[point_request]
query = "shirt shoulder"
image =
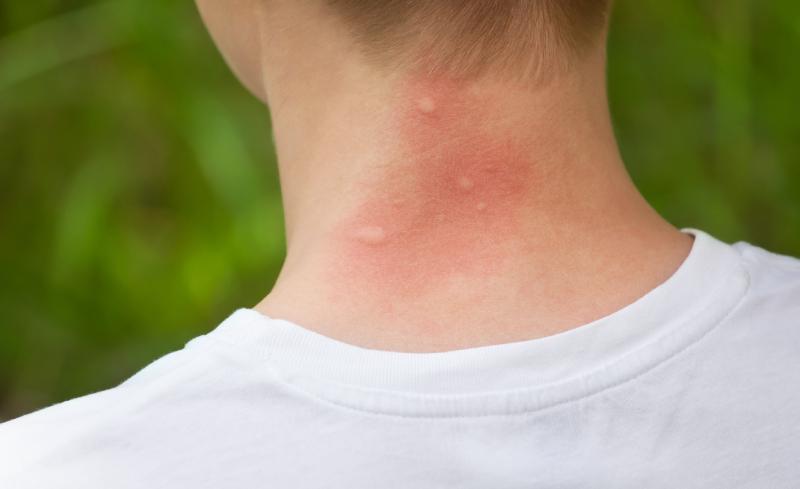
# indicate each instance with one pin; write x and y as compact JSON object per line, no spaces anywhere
{"x":75,"y":435}
{"x":767,"y":320}
{"x":774,"y":280}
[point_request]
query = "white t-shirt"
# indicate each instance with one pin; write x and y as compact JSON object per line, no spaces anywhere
{"x":695,"y":385}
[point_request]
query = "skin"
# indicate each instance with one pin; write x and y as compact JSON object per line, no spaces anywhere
{"x":456,"y":181}
{"x":430,"y":213}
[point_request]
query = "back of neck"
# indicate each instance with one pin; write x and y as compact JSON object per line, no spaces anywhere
{"x":427,"y":213}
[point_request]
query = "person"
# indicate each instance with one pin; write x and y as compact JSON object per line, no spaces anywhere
{"x":475,"y":294}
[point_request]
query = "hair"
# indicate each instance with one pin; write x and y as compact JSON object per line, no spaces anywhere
{"x":467,"y":37}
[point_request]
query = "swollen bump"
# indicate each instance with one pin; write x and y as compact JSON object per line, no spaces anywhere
{"x":465,"y":184}
{"x":426,"y":105}
{"x":370,"y":235}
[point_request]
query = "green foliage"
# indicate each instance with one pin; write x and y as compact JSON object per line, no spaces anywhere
{"x":139,"y":201}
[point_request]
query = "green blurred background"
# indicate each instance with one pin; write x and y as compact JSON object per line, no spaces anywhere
{"x":139,"y":202}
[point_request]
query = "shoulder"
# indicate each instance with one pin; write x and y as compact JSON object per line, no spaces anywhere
{"x":767,"y":319}
{"x":52,"y":446}
{"x":774,"y":279}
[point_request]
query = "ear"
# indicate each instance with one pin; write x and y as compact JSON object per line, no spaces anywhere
{"x":234,"y":26}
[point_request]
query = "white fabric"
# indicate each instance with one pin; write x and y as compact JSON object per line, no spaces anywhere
{"x":695,"y":385}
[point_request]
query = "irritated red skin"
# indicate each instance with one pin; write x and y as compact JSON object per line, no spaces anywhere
{"x":449,"y":207}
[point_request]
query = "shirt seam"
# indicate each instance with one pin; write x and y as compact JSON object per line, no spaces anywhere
{"x":275,"y":373}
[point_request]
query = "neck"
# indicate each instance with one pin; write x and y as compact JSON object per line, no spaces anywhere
{"x":426,"y":213}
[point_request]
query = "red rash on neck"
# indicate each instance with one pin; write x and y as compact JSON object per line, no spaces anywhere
{"x":448,"y":205}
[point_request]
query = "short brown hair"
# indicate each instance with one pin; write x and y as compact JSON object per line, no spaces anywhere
{"x":465,"y":37}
